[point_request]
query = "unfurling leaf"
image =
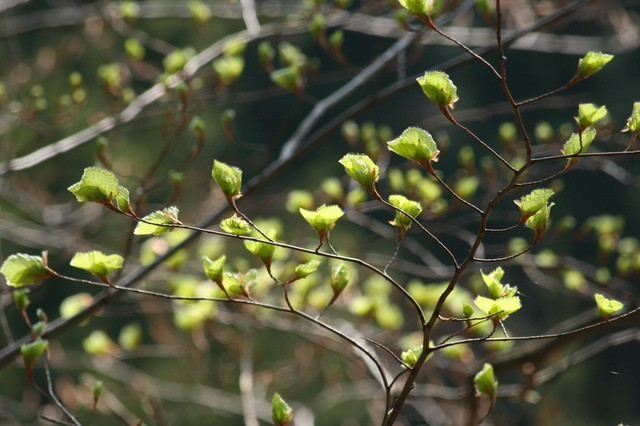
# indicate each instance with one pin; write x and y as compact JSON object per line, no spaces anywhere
{"x":402,"y":221}
{"x":200,"y":12}
{"x":281,"y":412}
{"x":467,"y":310}
{"x":410,"y":356}
{"x":607,"y":307}
{"x":485,"y":381}
{"x":439,"y":89}
{"x":97,"y":263}
{"x":263,"y":251}
{"x":589,"y":114}
{"x":130,"y":336}
{"x":590,"y":64}
{"x":23,"y":269}
{"x":31,"y":352}
{"x":418,"y":8}
{"x":362,"y":169}
{"x":228,"y":178}
{"x":531,"y":203}
{"x":235,"y":225}
{"x":416,"y":145}
{"x":496,"y":288}
{"x":100,"y":186}
{"x":213,"y":268}
{"x":539,"y":221}
{"x":323,"y":220}
{"x":501,"y":308}
{"x":154,"y":223}
{"x":306,"y":269}
{"x":633,"y":122}
{"x":228,"y":68}
{"x":340,"y":276}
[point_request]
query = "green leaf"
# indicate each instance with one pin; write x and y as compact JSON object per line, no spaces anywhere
{"x":298,"y":199}
{"x":607,"y":307}
{"x":75,"y":304}
{"x":492,"y":280}
{"x":362,"y":169}
{"x":235,"y":225}
{"x":531,"y":203}
{"x":281,"y":412}
{"x":130,"y":336}
{"x":633,"y":122}
{"x":467,"y":310}
{"x":34,"y":350}
{"x":97,"y":263}
{"x":416,"y":145}
{"x":413,"y":208}
{"x":263,"y":251}
{"x":200,"y":12}
{"x":410,"y":356}
{"x":289,"y":78}
{"x":323,"y":220}
{"x":501,"y":308}
{"x":100,"y":186}
{"x":168,"y":216}
{"x":23,"y":269}
{"x":228,"y":178}
{"x":134,"y":49}
{"x":98,"y":343}
{"x":266,"y":53}
{"x":306,"y":269}
{"x":340,"y":276}
{"x":419,"y":8}
{"x":539,"y":221}
{"x":589,"y":114}
{"x":590,"y":64}
{"x":439,"y":88}
{"x":485,"y":381}
{"x":228,"y":68}
{"x":213,"y":268}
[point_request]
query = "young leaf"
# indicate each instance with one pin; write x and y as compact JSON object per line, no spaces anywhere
{"x":340,"y":276}
{"x":531,"y":203}
{"x":402,"y":221}
{"x":306,"y":269}
{"x":323,"y":220}
{"x":100,"y":186}
{"x":235,"y":225}
{"x":168,"y":216}
{"x":467,"y":310}
{"x":501,"y":308}
{"x":633,"y":122}
{"x":213,"y":268}
{"x":590,"y":64}
{"x":23,"y":269}
{"x":492,"y":280}
{"x":281,"y":412}
{"x":439,"y":89}
{"x":607,"y":307}
{"x":228,"y":178}
{"x":418,"y":8}
{"x":97,"y":263}
{"x":98,"y":343}
{"x":589,"y":114}
{"x":289,"y":78}
{"x":228,"y":68}
{"x":130,"y":336}
{"x":362,"y":169}
{"x":539,"y":221}
{"x":485,"y":381}
{"x":410,"y":356}
{"x":31,"y":352}
{"x":416,"y":145}
{"x":263,"y":251}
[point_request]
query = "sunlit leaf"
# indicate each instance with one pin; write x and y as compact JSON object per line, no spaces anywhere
{"x":97,"y":263}
{"x":23,"y":269}
{"x":416,"y":145}
{"x":228,"y":178}
{"x":439,"y":88}
{"x":607,"y":307}
{"x":153,"y":223}
{"x":281,"y":412}
{"x":485,"y":381}
{"x":531,"y":203}
{"x":362,"y":169}
{"x":591,"y":63}
{"x":235,"y":225}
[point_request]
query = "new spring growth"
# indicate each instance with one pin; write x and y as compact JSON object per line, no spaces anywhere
{"x":539,"y":221}
{"x":235,"y":225}
{"x":531,"y":203}
{"x":439,"y":89}
{"x":156,"y":222}
{"x":607,"y":307}
{"x":416,"y":145}
{"x":22,"y":269}
{"x":340,"y":276}
{"x":30,"y":354}
{"x":577,"y":144}
{"x":419,"y":8}
{"x":323,"y":220}
{"x":590,"y":64}
{"x":98,"y":263}
{"x":281,"y":412}
{"x":101,"y":186}
{"x":633,"y":122}
{"x":589,"y":115}
{"x":363,"y":170}
{"x":262,"y":251}
{"x":402,"y":221}
{"x":213,"y":269}
{"x":229,"y":179}
{"x":485,"y":381}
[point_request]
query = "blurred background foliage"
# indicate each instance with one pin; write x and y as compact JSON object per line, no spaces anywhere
{"x":67,"y":65}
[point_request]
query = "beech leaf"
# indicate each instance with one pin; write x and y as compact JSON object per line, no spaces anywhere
{"x":23,"y":269}
{"x":168,"y":216}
